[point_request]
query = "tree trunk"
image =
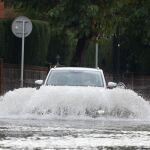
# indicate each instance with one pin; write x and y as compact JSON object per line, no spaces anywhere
{"x":76,"y":60}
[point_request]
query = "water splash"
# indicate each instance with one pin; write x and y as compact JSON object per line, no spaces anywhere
{"x":13,"y":102}
{"x":75,"y":101}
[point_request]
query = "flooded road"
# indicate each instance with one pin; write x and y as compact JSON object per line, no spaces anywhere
{"x":89,"y":134}
{"x":74,"y":118}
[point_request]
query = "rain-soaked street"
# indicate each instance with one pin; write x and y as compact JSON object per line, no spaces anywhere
{"x":74,"y":118}
{"x":74,"y":134}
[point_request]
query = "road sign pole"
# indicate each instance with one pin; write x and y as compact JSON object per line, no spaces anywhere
{"x":22,"y":56}
{"x":96,"y":56}
{"x":21,"y":28}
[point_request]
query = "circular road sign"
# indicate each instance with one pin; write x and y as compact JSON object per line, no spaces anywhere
{"x":19,"y":23}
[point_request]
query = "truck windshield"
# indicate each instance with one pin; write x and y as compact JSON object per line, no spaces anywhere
{"x":75,"y":78}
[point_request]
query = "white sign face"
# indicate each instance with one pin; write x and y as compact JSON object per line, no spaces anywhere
{"x":17,"y":26}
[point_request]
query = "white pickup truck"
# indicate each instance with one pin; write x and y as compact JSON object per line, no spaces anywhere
{"x":65,"y":89}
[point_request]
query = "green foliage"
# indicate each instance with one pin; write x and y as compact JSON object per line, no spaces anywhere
{"x":71,"y":21}
{"x":104,"y":55}
{"x":88,"y":56}
{"x":10,"y":44}
{"x":134,"y":37}
{"x":84,"y":17}
{"x":36,"y":9}
{"x":37,"y":44}
{"x":61,"y":44}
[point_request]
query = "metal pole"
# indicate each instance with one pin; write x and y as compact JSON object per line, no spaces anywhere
{"x":22,"y":56}
{"x":96,"y":54}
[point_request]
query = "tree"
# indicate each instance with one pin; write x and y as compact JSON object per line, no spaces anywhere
{"x":134,"y":36}
{"x":85,"y":19}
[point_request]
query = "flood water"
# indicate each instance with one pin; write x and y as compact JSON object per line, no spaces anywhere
{"x":68,"y":118}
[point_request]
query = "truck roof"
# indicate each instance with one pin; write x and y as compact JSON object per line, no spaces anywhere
{"x":77,"y":68}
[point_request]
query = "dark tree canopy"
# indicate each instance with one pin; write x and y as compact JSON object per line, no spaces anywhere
{"x":83,"y":20}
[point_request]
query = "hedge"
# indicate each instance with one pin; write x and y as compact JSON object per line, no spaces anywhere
{"x":36,"y":44}
{"x":45,"y":43}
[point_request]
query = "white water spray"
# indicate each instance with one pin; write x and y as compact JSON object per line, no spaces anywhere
{"x":75,"y":101}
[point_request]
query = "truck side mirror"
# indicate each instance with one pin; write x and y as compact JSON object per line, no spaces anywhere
{"x":39,"y":82}
{"x":111,"y":85}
